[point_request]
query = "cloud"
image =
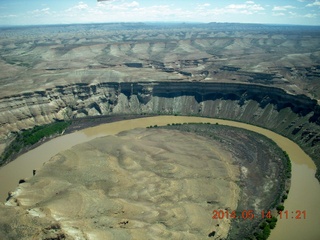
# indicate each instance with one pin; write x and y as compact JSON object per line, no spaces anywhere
{"x":8,"y":16}
{"x":293,"y":14}
{"x":132,"y":4}
{"x":248,"y":8}
{"x":282,"y":8}
{"x":81,"y":6}
{"x":314,"y":4}
{"x":277,"y":14}
{"x":251,"y":6}
{"x":112,"y":5}
{"x":204,"y":5}
{"x":41,"y":11}
{"x":310,"y":15}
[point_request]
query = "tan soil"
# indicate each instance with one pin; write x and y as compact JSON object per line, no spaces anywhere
{"x":143,"y":184}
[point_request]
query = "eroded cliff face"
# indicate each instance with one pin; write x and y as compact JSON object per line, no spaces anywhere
{"x":294,"y":116}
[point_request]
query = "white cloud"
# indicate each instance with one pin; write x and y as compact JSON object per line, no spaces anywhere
{"x":293,"y":14}
{"x":113,"y":5}
{"x":41,"y":11}
{"x":202,"y":7}
{"x":132,"y":11}
{"x":205,"y":5}
{"x":277,"y":14}
{"x":310,"y":15}
{"x":316,"y":3}
{"x":251,"y":6}
{"x":282,"y":8}
{"x":133,"y":4}
{"x":9,"y":16}
{"x":81,"y":6}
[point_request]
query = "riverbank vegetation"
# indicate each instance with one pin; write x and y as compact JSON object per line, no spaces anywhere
{"x":32,"y":136}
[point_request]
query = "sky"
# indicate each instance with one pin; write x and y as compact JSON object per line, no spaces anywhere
{"x":37,"y":12}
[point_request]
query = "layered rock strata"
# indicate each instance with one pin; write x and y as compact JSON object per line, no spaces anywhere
{"x":294,"y":116}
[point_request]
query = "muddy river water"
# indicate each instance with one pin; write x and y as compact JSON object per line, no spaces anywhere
{"x":304,"y":194}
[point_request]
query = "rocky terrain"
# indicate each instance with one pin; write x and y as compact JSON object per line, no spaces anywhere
{"x":295,"y":116}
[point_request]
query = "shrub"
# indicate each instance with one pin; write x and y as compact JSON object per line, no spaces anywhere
{"x":273,"y":219}
{"x":284,"y":197}
{"x":263,"y":225}
{"x":272,"y":225}
{"x":266,"y":232}
{"x":280,"y":208}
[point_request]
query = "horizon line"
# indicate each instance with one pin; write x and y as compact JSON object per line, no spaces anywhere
{"x":157,"y":22}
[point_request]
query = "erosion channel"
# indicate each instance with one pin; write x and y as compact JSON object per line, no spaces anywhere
{"x":303,"y":170}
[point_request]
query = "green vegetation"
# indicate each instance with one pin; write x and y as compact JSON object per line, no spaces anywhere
{"x":266,"y":232}
{"x":284,"y":197}
{"x":270,"y":223}
{"x":280,"y":208}
{"x":32,"y":136}
{"x":266,"y":226}
{"x":288,"y":164}
{"x":272,"y":220}
{"x":155,"y":126}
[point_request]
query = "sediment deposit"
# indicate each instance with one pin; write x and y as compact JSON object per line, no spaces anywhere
{"x":157,"y":186}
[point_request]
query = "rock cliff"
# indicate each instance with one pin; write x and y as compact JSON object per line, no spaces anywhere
{"x":294,"y":116}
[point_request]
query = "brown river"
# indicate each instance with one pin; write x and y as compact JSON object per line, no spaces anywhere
{"x":304,"y":194}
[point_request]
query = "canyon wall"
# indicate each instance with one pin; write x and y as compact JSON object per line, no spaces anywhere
{"x":294,"y":116}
